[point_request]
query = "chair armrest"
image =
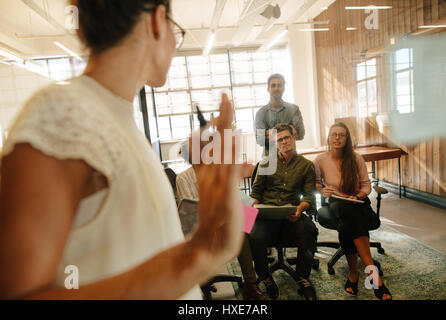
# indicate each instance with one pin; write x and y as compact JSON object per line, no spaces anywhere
{"x":312,"y":212}
{"x":380,"y":190}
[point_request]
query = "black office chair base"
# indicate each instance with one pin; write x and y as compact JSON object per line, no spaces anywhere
{"x":339,"y":253}
{"x":293,"y":261}
{"x":283,"y":263}
{"x":206,"y":288}
{"x":378,"y":246}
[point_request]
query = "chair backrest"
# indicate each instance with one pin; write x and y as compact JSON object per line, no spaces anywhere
{"x":188,"y":212}
{"x":172,"y":177}
{"x":254,"y":173}
{"x":327,"y":220}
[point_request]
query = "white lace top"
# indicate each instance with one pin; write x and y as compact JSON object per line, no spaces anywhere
{"x":120,"y":227}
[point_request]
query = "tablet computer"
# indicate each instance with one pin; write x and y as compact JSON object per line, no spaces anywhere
{"x":267,"y":211}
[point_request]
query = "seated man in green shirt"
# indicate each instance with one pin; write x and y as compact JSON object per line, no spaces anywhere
{"x":294,"y":177}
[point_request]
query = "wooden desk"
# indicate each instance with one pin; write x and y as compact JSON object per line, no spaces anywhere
{"x":370,"y":154}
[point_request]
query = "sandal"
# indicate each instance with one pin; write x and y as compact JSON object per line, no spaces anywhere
{"x":381,"y":291}
{"x":353,"y":286}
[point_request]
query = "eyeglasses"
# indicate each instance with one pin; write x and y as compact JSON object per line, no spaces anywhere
{"x":284,"y":139}
{"x":334,"y":135}
{"x":178,"y":31}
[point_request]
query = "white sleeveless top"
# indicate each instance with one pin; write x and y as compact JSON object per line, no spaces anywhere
{"x":118,"y":228}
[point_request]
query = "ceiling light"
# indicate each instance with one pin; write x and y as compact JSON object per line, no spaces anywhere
{"x":350,"y":29}
{"x":368,"y":8}
{"x":319,"y":29}
{"x":10,"y":56}
{"x":436,"y":26}
{"x":313,"y":22}
{"x":210,"y":44}
{"x":67,"y":50}
{"x":275,"y":40}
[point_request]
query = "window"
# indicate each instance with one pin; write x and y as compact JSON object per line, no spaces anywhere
{"x":58,"y":69}
{"x":366,"y":88}
{"x":64,"y":68}
{"x":200,"y":80}
{"x":403,"y":97}
{"x":137,"y":114}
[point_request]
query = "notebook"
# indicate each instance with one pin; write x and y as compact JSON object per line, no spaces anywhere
{"x":347,"y":199}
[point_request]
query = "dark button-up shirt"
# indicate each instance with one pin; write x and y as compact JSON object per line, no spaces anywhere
{"x":287,"y":184}
{"x":267,"y":118}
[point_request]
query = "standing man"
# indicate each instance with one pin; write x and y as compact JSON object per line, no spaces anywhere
{"x":292,"y":183}
{"x":277,"y":111}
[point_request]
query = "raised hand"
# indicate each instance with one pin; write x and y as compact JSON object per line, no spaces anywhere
{"x":220,"y":227}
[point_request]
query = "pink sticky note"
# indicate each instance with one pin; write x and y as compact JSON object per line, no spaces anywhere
{"x":250,"y":214}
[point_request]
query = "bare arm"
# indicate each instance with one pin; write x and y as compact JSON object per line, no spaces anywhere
{"x":37,"y":203}
{"x":298,"y":124}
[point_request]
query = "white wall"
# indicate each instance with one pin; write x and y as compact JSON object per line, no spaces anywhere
{"x":303,"y":60}
{"x":16,"y":85}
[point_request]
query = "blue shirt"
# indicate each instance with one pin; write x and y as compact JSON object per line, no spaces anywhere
{"x":267,"y":118}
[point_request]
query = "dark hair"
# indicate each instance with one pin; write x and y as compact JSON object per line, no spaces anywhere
{"x":349,"y":164}
{"x":105,"y":23}
{"x":276,"y":76}
{"x":283,"y":127}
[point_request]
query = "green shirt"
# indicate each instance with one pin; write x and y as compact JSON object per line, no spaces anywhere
{"x":287,"y":184}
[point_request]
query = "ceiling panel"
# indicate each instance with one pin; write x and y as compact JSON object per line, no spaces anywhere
{"x":30,"y":35}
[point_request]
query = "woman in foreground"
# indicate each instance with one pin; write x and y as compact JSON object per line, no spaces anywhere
{"x":82,"y":187}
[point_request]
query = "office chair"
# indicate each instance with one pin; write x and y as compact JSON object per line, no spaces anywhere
{"x":172,"y":176}
{"x":327,"y":220}
{"x":188,"y":212}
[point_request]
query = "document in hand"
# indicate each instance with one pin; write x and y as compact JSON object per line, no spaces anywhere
{"x":250,"y":215}
{"x":347,"y":199}
{"x":271,"y":212}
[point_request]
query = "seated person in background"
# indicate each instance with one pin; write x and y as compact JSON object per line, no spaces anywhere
{"x":187,"y":185}
{"x":187,"y":189}
{"x":294,"y":177}
{"x":343,"y":172}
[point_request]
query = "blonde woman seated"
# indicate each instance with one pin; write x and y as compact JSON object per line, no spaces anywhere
{"x":341,"y":171}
